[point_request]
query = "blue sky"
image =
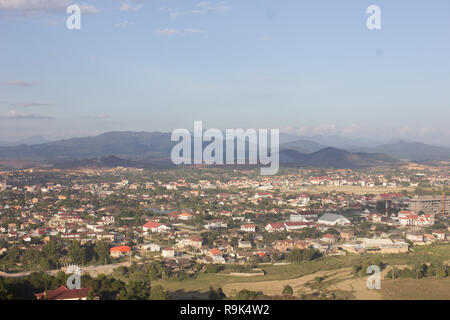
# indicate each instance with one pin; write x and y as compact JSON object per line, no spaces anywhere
{"x":306,"y":67}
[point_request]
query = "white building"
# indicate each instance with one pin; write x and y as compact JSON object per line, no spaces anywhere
{"x":152,"y":247}
{"x":168,"y":253}
{"x":331,"y":219}
{"x":303,"y":216}
{"x":155,"y":227}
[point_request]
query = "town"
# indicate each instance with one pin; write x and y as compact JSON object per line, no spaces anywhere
{"x":127,"y":227}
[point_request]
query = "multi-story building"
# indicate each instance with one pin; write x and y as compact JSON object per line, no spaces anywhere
{"x":429,"y":204}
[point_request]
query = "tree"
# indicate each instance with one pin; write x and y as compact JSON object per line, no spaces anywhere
{"x":247,"y":295}
{"x":91,"y":295}
{"x":216,"y":294}
{"x":50,"y":255}
{"x":136,"y":290}
{"x":11,"y":256}
{"x":4,"y":292}
{"x":102,"y":251}
{"x":442,"y":272}
{"x":299,"y":255}
{"x":76,"y":252}
{"x":213,"y":268}
{"x":356,"y":269}
{"x":420,"y":271}
{"x":31,"y":257}
{"x":61,"y":278}
{"x":209,"y":237}
{"x":287,"y":291}
{"x":158,"y":293}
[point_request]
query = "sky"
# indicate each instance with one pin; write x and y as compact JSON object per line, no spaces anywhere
{"x":305,"y":67}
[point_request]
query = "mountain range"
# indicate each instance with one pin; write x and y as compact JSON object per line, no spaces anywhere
{"x":29,"y":141}
{"x":415,"y":151}
{"x":412,"y":151}
{"x":152,"y":149}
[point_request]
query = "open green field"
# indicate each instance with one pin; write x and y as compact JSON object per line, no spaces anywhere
{"x":359,"y":190}
{"x":198,"y":288}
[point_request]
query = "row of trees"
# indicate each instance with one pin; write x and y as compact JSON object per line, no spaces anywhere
{"x":420,"y":271}
{"x":301,"y":255}
{"x":108,"y":288}
{"x":54,"y":254}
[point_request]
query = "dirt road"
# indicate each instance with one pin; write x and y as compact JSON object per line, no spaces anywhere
{"x":339,"y":279}
{"x":275,"y":287}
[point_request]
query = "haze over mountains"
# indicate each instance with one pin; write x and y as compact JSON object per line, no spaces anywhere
{"x":147,"y":149}
{"x":29,"y":141}
{"x":415,"y":151}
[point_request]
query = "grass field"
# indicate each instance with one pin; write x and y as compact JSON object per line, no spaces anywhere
{"x":337,"y":268}
{"x":359,"y":190}
{"x":411,"y":289}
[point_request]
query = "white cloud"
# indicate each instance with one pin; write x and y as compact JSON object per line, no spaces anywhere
{"x":95,"y":117}
{"x":88,"y":9}
{"x":18,"y":83}
{"x":43,"y":6}
{"x":427,"y":131}
{"x":321,"y":129}
{"x":350,"y":129}
{"x":16,"y":115}
{"x":26,"y":104}
{"x":203,"y":7}
{"x":127,"y":5}
{"x":174,"y":32}
{"x":324,"y":129}
{"x":124,"y":24}
{"x":183,"y":13}
{"x":204,"y":4}
{"x":405,"y":132}
{"x":416,"y":133}
{"x":34,"y":5}
{"x":191,"y":31}
{"x":222,"y":6}
{"x":166,"y":32}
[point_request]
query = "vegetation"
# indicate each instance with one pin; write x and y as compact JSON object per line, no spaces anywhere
{"x":420,"y":271}
{"x":301,"y":255}
{"x":287,"y":291}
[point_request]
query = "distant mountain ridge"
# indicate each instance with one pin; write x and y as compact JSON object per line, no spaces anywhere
{"x":145,"y":149}
{"x":414,"y":151}
{"x":335,"y":158}
{"x":125,"y":143}
{"x":302,"y":146}
{"x":27,"y":141}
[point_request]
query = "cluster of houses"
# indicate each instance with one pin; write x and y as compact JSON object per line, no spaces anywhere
{"x":243,"y":231}
{"x":250,"y":238}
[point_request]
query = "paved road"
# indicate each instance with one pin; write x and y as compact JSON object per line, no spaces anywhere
{"x":92,"y":271}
